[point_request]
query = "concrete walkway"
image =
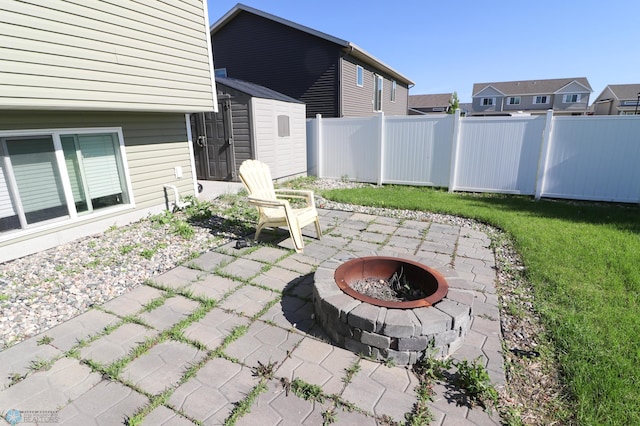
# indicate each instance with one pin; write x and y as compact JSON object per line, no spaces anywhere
{"x":235,"y":328}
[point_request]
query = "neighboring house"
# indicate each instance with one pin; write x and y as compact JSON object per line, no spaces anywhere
{"x":618,"y":99}
{"x":565,"y":96}
{"x":94,"y":100}
{"x":252,"y":123}
{"x":430,"y":104}
{"x":333,"y":77}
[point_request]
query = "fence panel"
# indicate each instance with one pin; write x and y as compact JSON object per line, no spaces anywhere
{"x":594,"y":158}
{"x":350,"y":148}
{"x":417,"y":150}
{"x":499,"y":154}
{"x":587,"y":158}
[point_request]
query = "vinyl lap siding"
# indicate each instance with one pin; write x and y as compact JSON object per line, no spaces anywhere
{"x":281,"y":58}
{"x":154,"y":145}
{"x":104,"y":55}
{"x":358,"y":101}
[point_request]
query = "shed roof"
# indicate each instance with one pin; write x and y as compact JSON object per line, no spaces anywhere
{"x":349,"y":47}
{"x":532,"y":87}
{"x":255,"y":90}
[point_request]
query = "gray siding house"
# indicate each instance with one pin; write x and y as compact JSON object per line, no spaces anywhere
{"x":94,"y":102}
{"x":333,"y":77}
{"x":618,"y":99}
{"x":565,"y":96}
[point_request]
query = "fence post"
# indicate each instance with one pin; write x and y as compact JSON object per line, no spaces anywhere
{"x":543,"y":157}
{"x":381,"y":140}
{"x":319,"y":147}
{"x":455,"y":140}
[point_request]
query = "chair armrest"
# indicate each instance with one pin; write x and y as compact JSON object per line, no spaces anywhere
{"x":262,"y":202}
{"x":296,"y":193}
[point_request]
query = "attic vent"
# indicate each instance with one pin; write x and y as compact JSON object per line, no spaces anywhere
{"x":283,"y":126}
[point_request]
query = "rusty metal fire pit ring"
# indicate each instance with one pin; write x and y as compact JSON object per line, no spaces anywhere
{"x":430,"y":281}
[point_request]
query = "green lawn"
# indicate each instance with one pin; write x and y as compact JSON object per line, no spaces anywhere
{"x":583,"y":260}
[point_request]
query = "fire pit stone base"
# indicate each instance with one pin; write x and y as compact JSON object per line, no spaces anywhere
{"x":401,"y":335}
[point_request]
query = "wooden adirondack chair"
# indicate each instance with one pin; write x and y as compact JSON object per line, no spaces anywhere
{"x":273,"y":204}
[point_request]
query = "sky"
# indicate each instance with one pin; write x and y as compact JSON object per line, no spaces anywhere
{"x":445,"y":46}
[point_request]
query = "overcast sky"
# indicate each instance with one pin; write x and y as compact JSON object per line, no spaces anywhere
{"x":446,"y":46}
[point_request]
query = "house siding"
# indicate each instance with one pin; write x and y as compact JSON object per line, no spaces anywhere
{"x":580,"y":106}
{"x":103,"y":56}
{"x":154,"y":144}
{"x":357,"y":101}
{"x":281,"y":58}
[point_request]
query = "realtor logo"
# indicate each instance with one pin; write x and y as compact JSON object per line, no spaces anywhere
{"x":13,"y":417}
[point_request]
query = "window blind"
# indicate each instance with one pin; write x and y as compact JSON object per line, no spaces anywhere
{"x":100,"y":165}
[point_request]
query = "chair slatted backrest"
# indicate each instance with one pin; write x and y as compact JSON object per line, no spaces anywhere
{"x":256,"y":176}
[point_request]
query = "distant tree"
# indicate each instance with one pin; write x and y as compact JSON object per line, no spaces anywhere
{"x":454,"y":103}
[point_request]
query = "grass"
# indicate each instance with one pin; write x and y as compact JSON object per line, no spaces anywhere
{"x":582,"y":261}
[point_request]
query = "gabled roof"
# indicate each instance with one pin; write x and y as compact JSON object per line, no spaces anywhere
{"x":532,"y":87}
{"x":349,"y":47}
{"x":255,"y":90}
{"x":624,"y":91}
{"x":428,"y":101}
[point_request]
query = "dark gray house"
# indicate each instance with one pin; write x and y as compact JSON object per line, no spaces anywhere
{"x":333,"y":77}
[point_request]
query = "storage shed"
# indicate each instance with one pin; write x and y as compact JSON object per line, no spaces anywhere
{"x":252,"y":122}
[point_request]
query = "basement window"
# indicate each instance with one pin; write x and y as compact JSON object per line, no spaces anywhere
{"x":57,"y":176}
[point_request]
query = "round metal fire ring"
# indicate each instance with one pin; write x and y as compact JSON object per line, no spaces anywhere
{"x":428,"y":280}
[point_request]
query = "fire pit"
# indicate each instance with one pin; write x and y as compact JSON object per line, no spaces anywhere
{"x":398,"y":328}
{"x":422,"y":285}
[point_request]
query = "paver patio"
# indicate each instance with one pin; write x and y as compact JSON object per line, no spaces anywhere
{"x":237,"y":322}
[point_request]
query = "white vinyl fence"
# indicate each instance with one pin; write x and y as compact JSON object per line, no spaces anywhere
{"x":582,"y":157}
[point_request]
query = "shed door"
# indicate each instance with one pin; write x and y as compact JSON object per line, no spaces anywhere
{"x":213,"y":143}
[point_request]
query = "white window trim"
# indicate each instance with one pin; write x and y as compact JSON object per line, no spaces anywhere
{"x":74,"y":217}
{"x":566,"y":101}
{"x":394,"y":87}
{"x":492,"y":101}
{"x":359,"y":70}
{"x":535,"y":99}
{"x":513,"y":98}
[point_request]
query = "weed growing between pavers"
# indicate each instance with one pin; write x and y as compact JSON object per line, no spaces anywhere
{"x":471,"y":378}
{"x":474,"y":378}
{"x":244,"y":406}
{"x":351,"y":371}
{"x":44,"y":340}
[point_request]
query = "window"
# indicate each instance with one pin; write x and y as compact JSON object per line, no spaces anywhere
{"x":377,"y":93}
{"x":514,"y":100}
{"x":57,"y":175}
{"x":570,"y":99}
{"x":393,"y":91}
{"x":541,"y":99}
{"x":359,"y":76}
{"x":283,"y":126}
{"x":487,"y":101}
